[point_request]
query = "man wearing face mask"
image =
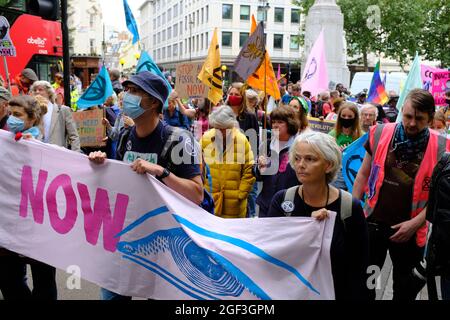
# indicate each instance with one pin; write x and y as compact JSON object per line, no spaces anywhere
{"x":147,"y":146}
{"x":396,"y":175}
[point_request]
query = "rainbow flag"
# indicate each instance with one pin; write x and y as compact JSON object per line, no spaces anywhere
{"x":377,"y":92}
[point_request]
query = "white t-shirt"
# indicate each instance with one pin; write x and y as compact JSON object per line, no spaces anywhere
{"x":48,"y":121}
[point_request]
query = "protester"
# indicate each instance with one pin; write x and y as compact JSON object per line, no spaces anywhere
{"x":5,"y":96}
{"x":276,"y":175}
{"x":143,"y":102}
{"x":229,"y":156}
{"x":316,"y":158}
{"x":177,"y":114}
{"x":400,"y":159}
{"x":347,"y":128}
{"x":333,"y":115}
{"x":299,"y":104}
{"x":112,"y":112}
{"x":25,"y":118}
{"x":439,"y":124}
{"x":114,"y":75}
{"x":202,"y":124}
{"x":58,"y":125}
{"x":369,"y":114}
{"x":23,"y":82}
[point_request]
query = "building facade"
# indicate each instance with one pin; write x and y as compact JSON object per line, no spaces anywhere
{"x":176,"y":31}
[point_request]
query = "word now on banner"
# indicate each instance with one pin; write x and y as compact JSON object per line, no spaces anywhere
{"x":131,"y":234}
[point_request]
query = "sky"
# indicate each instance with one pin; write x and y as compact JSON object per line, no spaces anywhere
{"x":113,"y":14}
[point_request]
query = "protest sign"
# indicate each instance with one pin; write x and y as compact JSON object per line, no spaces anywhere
{"x":187,"y":85}
{"x":7,"y":48}
{"x":90,"y":127}
{"x":427,"y":76}
{"x":324,"y":126}
{"x":132,"y":235}
{"x":441,"y":84}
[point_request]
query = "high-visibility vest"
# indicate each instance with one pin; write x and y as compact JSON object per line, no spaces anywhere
{"x":380,"y":140}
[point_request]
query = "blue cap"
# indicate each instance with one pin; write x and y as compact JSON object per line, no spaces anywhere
{"x":151,"y":83}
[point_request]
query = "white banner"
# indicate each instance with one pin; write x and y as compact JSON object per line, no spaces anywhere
{"x":132,"y":235}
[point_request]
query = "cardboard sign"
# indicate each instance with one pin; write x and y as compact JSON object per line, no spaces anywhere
{"x":90,"y":127}
{"x":324,"y":126}
{"x":7,"y":48}
{"x":441,"y":84}
{"x":187,"y":84}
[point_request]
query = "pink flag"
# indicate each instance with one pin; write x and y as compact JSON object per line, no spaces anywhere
{"x":315,"y":75}
{"x":279,"y":72}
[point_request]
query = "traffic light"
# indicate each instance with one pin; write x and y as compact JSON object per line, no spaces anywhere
{"x":47,"y":9}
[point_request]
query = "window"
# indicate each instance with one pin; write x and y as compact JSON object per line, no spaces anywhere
{"x":163,"y":55}
{"x":197,"y":43}
{"x":295,"y":16}
{"x":227,"y":11}
{"x":198,"y":17}
{"x":226,"y":39}
{"x":261,"y":15}
{"x":154,"y":23}
{"x":163,"y":36}
{"x":154,"y":39}
{"x":181,"y":48}
{"x":294,"y":42}
{"x":245,"y":13}
{"x":185,"y":23}
{"x":159,"y":21}
{"x":175,"y":50}
{"x":181,"y":8}
{"x":159,"y":37}
{"x":154,"y":54}
{"x":175,"y":30}
{"x":243,"y":36}
{"x":206,"y":40}
{"x":278,"y":41}
{"x":175,"y":10}
{"x":203,"y":15}
{"x":159,"y":54}
{"x":163,"y":18}
{"x":279,"y":15}
{"x":169,"y":14}
{"x":169,"y":32}
{"x":92,"y":21}
{"x":181,"y":27}
{"x":201,"y":42}
{"x":169,"y":51}
{"x":92,"y":46}
{"x":207,"y":14}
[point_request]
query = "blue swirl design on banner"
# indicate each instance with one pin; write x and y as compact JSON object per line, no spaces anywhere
{"x":209,"y":275}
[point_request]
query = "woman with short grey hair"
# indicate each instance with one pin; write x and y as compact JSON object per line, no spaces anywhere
{"x":316,"y":158}
{"x":229,"y":157}
{"x":45,"y":89}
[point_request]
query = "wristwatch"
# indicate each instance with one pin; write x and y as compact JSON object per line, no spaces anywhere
{"x":165,"y":174}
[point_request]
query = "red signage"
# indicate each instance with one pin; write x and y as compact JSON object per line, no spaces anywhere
{"x":32,"y":35}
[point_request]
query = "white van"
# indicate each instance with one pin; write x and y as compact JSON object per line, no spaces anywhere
{"x":362,"y":80}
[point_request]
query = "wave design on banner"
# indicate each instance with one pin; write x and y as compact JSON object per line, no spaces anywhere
{"x":208,"y":275}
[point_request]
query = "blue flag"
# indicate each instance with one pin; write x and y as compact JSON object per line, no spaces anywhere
{"x":146,"y":63}
{"x":352,"y":159}
{"x":97,"y":93}
{"x":131,"y":23}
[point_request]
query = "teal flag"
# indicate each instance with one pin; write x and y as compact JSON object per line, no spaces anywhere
{"x":131,"y":22}
{"x":97,"y":93}
{"x":352,"y":159}
{"x":413,"y":81}
{"x":146,"y":63}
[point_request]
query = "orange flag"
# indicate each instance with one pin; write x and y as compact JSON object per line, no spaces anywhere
{"x":257,"y":79}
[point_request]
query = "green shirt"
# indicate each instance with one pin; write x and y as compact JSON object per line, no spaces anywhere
{"x":342,"y":139}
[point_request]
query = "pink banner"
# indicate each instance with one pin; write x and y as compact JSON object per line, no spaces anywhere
{"x":315,"y":75}
{"x":426,"y":73}
{"x":441,"y":84}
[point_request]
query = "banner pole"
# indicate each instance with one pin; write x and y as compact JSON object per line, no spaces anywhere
{"x":7,"y":73}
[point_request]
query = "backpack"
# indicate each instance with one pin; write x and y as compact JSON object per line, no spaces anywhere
{"x":288,"y":203}
{"x":172,"y":135}
{"x":438,"y":213}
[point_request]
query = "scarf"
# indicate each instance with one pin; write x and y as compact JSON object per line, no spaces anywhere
{"x":409,"y":148}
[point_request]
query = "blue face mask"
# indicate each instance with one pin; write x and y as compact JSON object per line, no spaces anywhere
{"x":15,"y":124}
{"x":132,"y":105}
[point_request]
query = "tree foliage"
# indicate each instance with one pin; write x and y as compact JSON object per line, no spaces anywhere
{"x":405,"y":27}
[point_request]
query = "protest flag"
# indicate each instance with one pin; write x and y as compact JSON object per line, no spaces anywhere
{"x":377,"y":93}
{"x":211,"y":73}
{"x":352,"y":159}
{"x":264,"y":78}
{"x":315,"y":75}
{"x":413,"y":81}
{"x":97,"y":93}
{"x":131,"y":22}
{"x":252,"y":54}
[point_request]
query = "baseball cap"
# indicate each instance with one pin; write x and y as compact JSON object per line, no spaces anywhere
{"x":29,"y":74}
{"x":151,"y":83}
{"x":5,"y":94}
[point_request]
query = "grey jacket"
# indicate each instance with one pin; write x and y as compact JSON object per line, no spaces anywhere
{"x":63,"y":130}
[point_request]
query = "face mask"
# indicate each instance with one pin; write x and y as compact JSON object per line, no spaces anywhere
{"x":15,"y":124}
{"x":347,"y":123}
{"x":447,"y":101}
{"x":234,"y":101}
{"x":132,"y":105}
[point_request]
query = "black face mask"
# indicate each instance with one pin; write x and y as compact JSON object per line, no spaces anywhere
{"x":447,"y":101}
{"x":347,"y":123}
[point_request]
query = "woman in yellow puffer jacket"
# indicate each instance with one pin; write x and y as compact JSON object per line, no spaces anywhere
{"x":228,"y":154}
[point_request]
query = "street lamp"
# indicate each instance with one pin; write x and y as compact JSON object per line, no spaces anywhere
{"x":264,"y":6}
{"x":191,"y":44}
{"x":224,"y":69}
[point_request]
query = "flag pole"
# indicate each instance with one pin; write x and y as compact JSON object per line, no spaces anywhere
{"x":265,"y":81}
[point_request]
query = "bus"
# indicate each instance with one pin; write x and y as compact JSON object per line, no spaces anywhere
{"x":39,"y":46}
